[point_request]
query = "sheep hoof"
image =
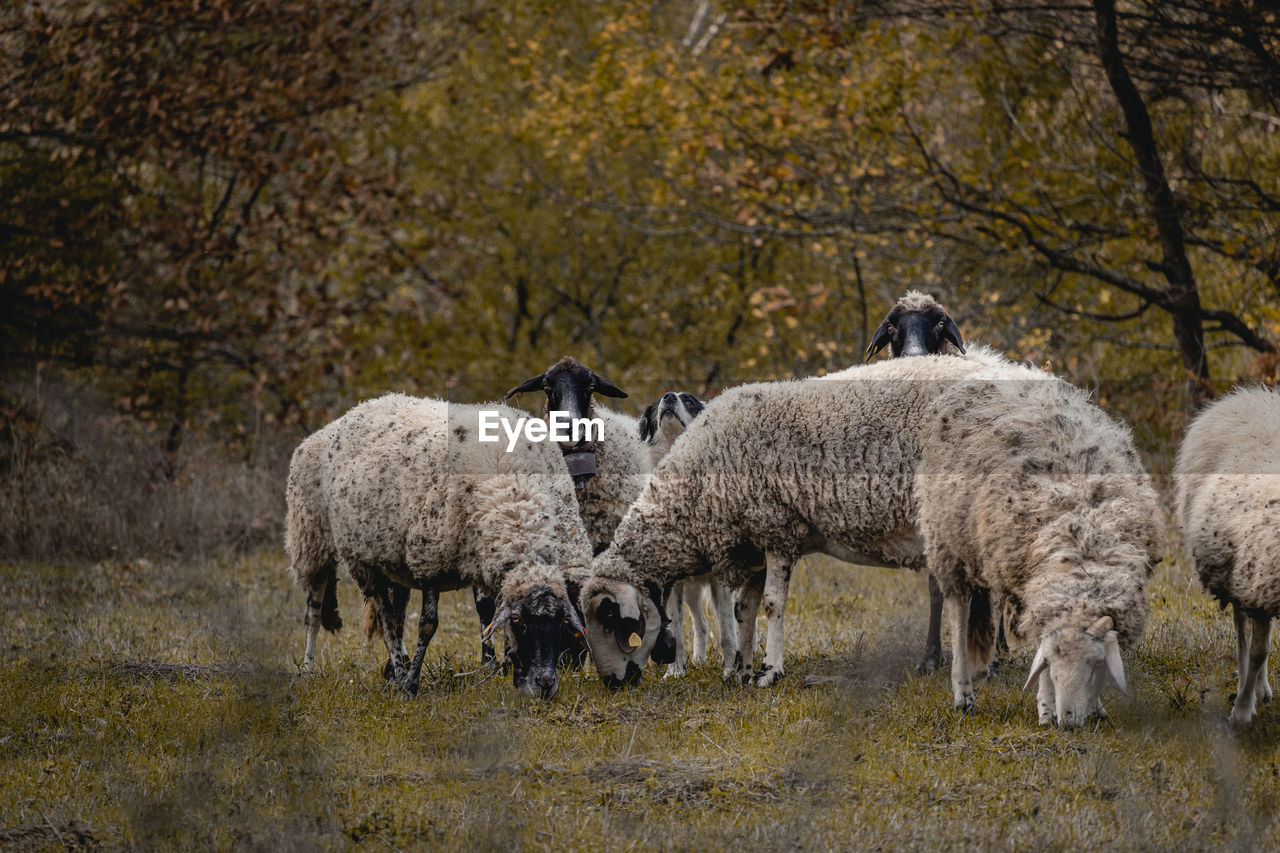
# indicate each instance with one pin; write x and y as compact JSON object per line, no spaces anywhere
{"x":928,"y":664}
{"x":1046,"y":719}
{"x":675,"y":670}
{"x":767,"y":676}
{"x":964,"y":702}
{"x":1263,"y":693}
{"x":1241,"y":720}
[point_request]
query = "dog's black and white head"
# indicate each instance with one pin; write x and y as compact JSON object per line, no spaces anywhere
{"x":916,"y":325}
{"x":568,"y":385}
{"x":538,"y":622}
{"x":665,"y":419}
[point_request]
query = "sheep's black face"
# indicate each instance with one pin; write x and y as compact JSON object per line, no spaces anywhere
{"x":668,"y":416}
{"x":916,"y":332}
{"x":569,"y":385}
{"x":538,"y":630}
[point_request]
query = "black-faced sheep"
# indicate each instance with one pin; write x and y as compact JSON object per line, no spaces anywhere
{"x":401,"y":492}
{"x":1030,"y":492}
{"x":662,"y":423}
{"x":918,"y":325}
{"x":609,"y":470}
{"x":1227,"y":481}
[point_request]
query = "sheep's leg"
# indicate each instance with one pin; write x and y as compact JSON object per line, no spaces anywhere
{"x":1046,"y":701}
{"x":1242,"y":712}
{"x":390,"y":600}
{"x":675,"y":611}
{"x":777,"y":579}
{"x":314,"y":618}
{"x":957,"y":612}
{"x":427,"y":624}
{"x":726,"y":625}
{"x":745,"y":610}
{"x":485,"y":608}
{"x":1262,"y":692}
{"x":699,"y":622}
{"x":933,"y":641}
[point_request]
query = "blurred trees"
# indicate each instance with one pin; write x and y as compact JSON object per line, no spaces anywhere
{"x":182,"y":178}
{"x":245,"y":216}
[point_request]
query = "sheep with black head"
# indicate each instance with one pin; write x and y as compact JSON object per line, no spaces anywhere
{"x":401,"y":492}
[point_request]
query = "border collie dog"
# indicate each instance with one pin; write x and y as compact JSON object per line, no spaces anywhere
{"x":664,"y":419}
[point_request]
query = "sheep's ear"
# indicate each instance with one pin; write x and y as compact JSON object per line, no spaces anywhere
{"x":880,"y":339}
{"x":648,"y":422}
{"x":607,"y":388}
{"x":499,"y":618}
{"x":571,"y":618}
{"x":533,"y":383}
{"x":1040,"y":663}
{"x":951,"y":332}
{"x":1111,"y":642}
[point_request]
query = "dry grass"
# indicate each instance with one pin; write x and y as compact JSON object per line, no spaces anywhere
{"x":158,"y":705}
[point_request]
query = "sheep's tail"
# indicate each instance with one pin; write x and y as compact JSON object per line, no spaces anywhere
{"x":371,"y":624}
{"x":981,"y":630}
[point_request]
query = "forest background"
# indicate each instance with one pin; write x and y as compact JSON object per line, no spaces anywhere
{"x":226,"y":222}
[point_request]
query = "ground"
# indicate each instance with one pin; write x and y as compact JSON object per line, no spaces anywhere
{"x":145,"y":704}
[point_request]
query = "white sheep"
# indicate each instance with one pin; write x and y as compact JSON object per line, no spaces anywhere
{"x":1029,"y":492}
{"x":401,"y":493}
{"x":767,"y":473}
{"x":662,"y":422}
{"x":1227,"y":483}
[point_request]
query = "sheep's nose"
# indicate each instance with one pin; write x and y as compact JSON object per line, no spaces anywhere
{"x":669,"y":397}
{"x":547,"y":683}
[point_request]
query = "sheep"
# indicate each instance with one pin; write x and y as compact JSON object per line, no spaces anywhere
{"x":769,"y":472}
{"x":609,"y":471}
{"x":401,"y":492}
{"x":1030,"y":493}
{"x":661,"y":424}
{"x":918,"y":325}
{"x":620,"y":457}
{"x":1227,"y":494}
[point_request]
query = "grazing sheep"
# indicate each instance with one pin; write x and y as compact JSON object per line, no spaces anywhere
{"x":1227,"y":481}
{"x":767,"y":473}
{"x":400,"y":492}
{"x":1029,"y":492}
{"x":661,"y":424}
{"x":918,"y":325}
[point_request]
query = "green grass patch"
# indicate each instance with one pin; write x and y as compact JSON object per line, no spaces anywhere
{"x":154,"y":705}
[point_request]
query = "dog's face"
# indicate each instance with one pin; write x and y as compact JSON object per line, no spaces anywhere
{"x":667,"y":417}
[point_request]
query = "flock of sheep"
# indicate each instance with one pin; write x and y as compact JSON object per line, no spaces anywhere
{"x":1026,"y":503}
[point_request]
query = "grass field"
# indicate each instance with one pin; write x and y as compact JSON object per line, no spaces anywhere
{"x":159,"y":706}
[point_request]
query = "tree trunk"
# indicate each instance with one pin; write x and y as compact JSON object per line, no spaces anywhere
{"x":1182,"y":296}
